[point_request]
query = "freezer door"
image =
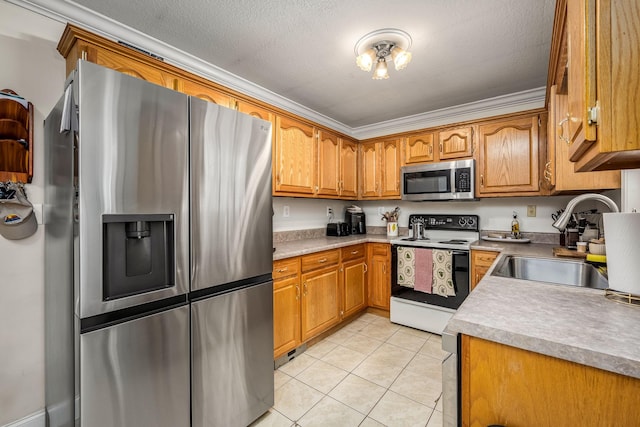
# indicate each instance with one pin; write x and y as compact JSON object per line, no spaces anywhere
{"x":133,"y":160}
{"x":137,"y":373}
{"x":231,"y":196}
{"x":232,"y":357}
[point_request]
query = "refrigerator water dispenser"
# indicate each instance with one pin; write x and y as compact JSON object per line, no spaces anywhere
{"x":138,"y":254}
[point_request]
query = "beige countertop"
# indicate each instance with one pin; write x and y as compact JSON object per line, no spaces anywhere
{"x":570,"y":323}
{"x":308,"y":246}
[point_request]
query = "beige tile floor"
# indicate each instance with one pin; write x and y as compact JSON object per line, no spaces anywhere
{"x":369,"y":373}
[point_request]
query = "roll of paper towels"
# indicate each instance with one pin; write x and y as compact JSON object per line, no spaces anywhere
{"x":622,"y":241}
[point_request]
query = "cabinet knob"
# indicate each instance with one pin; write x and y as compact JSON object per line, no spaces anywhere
{"x":561,"y":126}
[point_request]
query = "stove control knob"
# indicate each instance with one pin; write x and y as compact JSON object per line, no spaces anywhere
{"x":471,"y":221}
{"x":462,"y":221}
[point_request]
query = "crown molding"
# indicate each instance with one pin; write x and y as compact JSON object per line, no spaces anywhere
{"x":504,"y":104}
{"x":67,"y":11}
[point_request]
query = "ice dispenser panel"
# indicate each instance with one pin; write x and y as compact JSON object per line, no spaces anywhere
{"x":138,"y":254}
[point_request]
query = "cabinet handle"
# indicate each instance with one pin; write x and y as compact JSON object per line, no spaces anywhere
{"x":384,"y":268}
{"x":297,"y":292}
{"x":430,"y":149}
{"x":561,"y":125}
{"x":317,"y":188}
{"x":441,"y":148}
{"x":83,"y":54}
{"x":354,"y":252}
{"x":278,"y":179}
{"x":365,"y":267}
{"x":282,"y":270}
{"x":482,"y":180}
{"x":305,"y":289}
{"x":547,"y":171}
{"x":323,"y":260}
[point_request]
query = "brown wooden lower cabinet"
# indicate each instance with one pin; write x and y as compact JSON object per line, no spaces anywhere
{"x":313,"y":293}
{"x":481,"y":261}
{"x":320,"y":302}
{"x":507,"y":386}
{"x":379,"y":280}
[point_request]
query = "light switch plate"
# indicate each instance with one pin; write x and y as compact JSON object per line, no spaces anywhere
{"x":285,"y":211}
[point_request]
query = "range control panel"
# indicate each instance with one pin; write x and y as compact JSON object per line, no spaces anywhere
{"x":446,"y":222}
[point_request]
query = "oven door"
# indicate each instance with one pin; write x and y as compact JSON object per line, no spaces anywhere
{"x":461,"y":281}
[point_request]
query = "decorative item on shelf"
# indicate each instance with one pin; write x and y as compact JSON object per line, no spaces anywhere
{"x":17,"y":219}
{"x":515,"y":226}
{"x":16,"y":137}
{"x":392,"y":221}
{"x":380,"y":46}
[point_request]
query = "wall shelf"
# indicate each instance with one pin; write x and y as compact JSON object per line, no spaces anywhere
{"x":16,"y":139}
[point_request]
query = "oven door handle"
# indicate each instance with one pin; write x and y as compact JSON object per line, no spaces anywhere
{"x":459,"y":252}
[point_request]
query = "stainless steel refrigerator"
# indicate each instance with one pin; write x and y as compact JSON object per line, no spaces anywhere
{"x":157,"y":258}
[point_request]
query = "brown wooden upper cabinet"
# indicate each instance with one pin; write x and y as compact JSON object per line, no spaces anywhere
{"x":419,"y":148}
{"x":348,"y":169}
{"x":599,"y":44}
{"x":559,"y":172}
{"x":294,"y":165}
{"x":206,"y":93}
{"x":509,"y":157}
{"x":328,"y":164}
{"x":380,"y":169}
{"x":455,"y":143}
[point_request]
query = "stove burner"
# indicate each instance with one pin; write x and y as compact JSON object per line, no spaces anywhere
{"x":454,"y":242}
{"x":413,"y":239}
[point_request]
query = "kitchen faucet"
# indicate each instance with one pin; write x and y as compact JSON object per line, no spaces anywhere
{"x":561,"y":222}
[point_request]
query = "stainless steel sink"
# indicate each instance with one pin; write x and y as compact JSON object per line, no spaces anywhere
{"x":562,"y":272}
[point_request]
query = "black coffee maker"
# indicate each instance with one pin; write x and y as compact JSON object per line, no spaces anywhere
{"x":356,"y":222}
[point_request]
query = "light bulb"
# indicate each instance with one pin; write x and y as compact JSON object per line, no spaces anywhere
{"x":380,"y":73}
{"x":400,"y":58}
{"x":365,"y":60}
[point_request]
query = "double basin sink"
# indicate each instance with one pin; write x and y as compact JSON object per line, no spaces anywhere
{"x":562,"y":272}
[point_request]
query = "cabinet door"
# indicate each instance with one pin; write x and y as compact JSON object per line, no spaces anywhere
{"x":455,"y":143}
{"x":133,"y":68}
{"x":254,"y":110}
{"x":205,"y":92}
{"x":560,"y":170}
{"x":419,"y":148}
{"x":390,"y":169}
{"x":481,"y":261}
{"x":348,"y":169}
{"x":320,"y":301}
{"x":379,"y":275}
{"x":508,"y":157}
{"x":581,"y":74}
{"x":503,"y":385}
{"x":328,"y":164}
{"x":370,"y":153}
{"x":354,"y":289}
{"x":295,"y":158}
{"x":286,"y":315}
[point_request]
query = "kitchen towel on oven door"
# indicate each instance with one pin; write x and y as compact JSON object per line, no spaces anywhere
{"x":415,"y":269}
{"x":442,"y":273}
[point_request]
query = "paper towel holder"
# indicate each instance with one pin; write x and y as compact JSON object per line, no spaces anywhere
{"x":563,"y":220}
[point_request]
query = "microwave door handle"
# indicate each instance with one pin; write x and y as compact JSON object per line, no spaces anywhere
{"x":453,"y":180}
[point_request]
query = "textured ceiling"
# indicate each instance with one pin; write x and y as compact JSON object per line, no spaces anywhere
{"x":463,"y":50}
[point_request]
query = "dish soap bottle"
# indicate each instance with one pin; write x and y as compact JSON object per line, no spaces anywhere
{"x":515,"y":226}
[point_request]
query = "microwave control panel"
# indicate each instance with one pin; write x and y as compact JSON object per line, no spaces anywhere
{"x":463,"y":180}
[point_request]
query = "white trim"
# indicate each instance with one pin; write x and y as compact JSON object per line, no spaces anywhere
{"x":68,"y":11}
{"x":36,"y":419}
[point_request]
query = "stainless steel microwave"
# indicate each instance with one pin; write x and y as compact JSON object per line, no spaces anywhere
{"x":439,"y":181}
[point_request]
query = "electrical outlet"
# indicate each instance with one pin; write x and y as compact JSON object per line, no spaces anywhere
{"x":531,"y":210}
{"x":329,"y":211}
{"x":285,"y":211}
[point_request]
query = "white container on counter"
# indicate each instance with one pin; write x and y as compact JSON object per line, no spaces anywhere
{"x":622,"y":241}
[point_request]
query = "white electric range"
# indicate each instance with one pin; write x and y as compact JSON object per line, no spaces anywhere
{"x":426,"y":311}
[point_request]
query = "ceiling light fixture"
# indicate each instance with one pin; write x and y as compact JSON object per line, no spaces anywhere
{"x":380,"y":46}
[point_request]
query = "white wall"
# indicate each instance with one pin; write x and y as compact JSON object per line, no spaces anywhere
{"x":630,"y":190}
{"x":495,"y":214}
{"x":33,"y":68}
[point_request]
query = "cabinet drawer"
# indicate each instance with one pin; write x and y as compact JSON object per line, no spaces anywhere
{"x":382,"y":249}
{"x":484,"y":258}
{"x":286,"y":267}
{"x":352,"y":252}
{"x":320,"y":260}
